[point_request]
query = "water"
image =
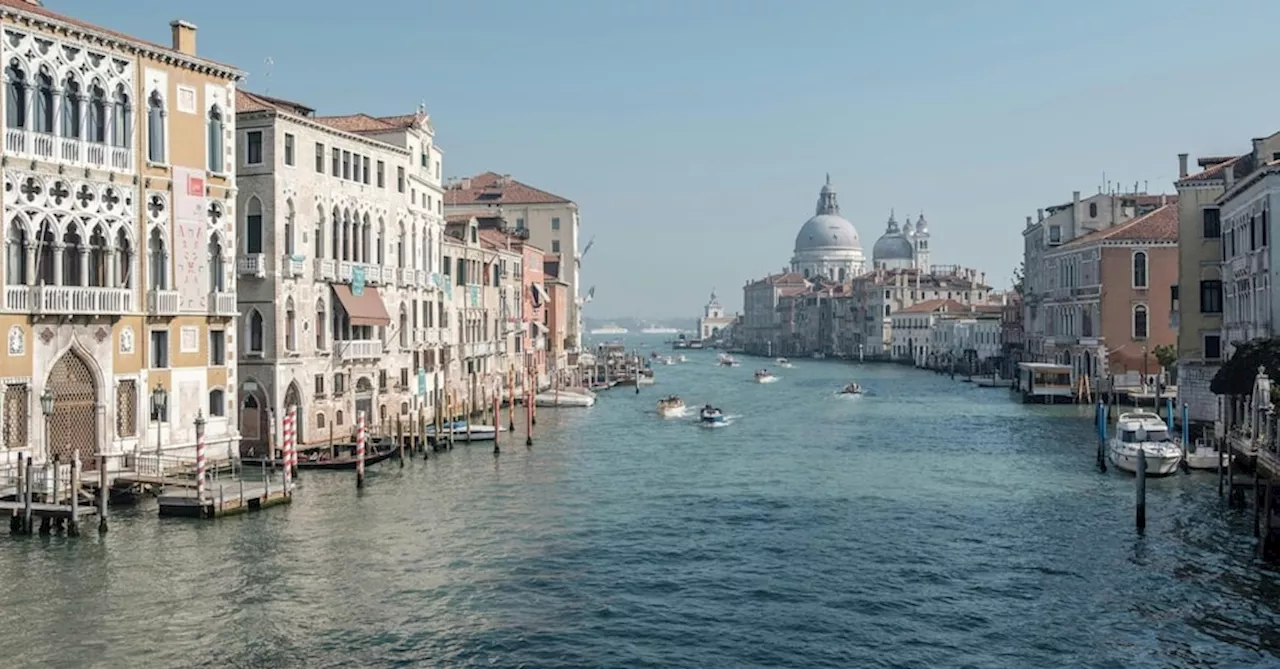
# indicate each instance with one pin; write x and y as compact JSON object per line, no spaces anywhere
{"x":927,"y":524}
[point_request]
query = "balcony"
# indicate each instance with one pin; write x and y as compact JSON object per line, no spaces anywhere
{"x":292,"y":265}
{"x":67,"y":151}
{"x":223,"y":304}
{"x":360,"y":349}
{"x":404,"y":276}
{"x":74,"y":300}
{"x":162,"y":303}
{"x":326,"y":269}
{"x":252,"y":264}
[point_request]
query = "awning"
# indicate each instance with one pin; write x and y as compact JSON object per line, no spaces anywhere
{"x":539,"y":294}
{"x":539,"y":328}
{"x":364,"y":309}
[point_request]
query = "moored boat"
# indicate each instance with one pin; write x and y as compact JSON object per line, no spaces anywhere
{"x":671,"y":407}
{"x":711,"y":416}
{"x":1204,"y":456}
{"x":765,"y":376}
{"x":565,"y":397}
{"x":323,"y":459}
{"x":461,"y":430}
{"x":1144,"y":433}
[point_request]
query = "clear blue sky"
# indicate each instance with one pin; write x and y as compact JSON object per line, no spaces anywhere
{"x":695,"y":134}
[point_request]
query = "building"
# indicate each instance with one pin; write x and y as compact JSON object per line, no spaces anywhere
{"x":713,"y":319}
{"x":912,"y":330}
{"x":1111,"y":291}
{"x":1012,"y":342}
{"x":340,"y":233}
{"x":875,"y":296}
{"x":551,"y":221}
{"x":762,"y":328}
{"x":118,"y":299}
{"x":1248,"y":303}
{"x":905,"y":247}
{"x":827,"y":245}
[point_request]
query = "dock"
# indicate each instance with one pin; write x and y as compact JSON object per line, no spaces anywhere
{"x":224,"y":499}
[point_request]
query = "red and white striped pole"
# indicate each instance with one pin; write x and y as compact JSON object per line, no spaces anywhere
{"x":288,"y":449}
{"x":360,"y":450}
{"x":200,"y":463}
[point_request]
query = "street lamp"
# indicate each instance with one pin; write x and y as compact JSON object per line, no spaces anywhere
{"x":46,"y":407}
{"x":159,"y":400}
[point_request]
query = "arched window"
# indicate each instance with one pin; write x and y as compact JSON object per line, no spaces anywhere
{"x":155,"y":128}
{"x":290,"y":326}
{"x":404,"y":328}
{"x":97,"y":114}
{"x":1140,"y":269}
{"x":338,"y":418}
{"x":321,"y":324}
{"x":15,"y":90}
{"x":400,"y":248}
{"x":72,"y":244}
{"x":319,"y":240}
{"x":15,"y":256}
{"x":347,"y":240}
{"x":44,"y":261}
{"x":335,"y":233}
{"x":288,"y":228}
{"x":98,"y":258}
{"x":217,"y":403}
{"x":157,"y":261}
{"x":121,"y":118}
{"x":72,"y":108}
{"x":1093,"y":210}
{"x":217,"y":266}
{"x":255,"y":332}
{"x":319,"y":421}
{"x":1140,"y":321}
{"x":253,"y":226}
{"x":382,"y":236}
{"x":366,"y":239}
{"x":124,"y":260}
{"x":44,"y":103}
{"x":214,"y":139}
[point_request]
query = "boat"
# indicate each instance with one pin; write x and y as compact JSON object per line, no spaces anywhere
{"x":312,"y":459}
{"x":671,"y":407}
{"x":1143,"y":432}
{"x":783,"y":362}
{"x":645,"y":378}
{"x":764,"y":376}
{"x":818,"y":355}
{"x":726,"y":360}
{"x":565,"y":397}
{"x":695,"y":343}
{"x":1204,"y":456}
{"x":711,"y":416}
{"x":460,"y":430}
{"x":610,"y":329}
{"x":667,"y":360}
{"x":851,"y":389}
{"x":682,"y":358}
{"x":658,"y":329}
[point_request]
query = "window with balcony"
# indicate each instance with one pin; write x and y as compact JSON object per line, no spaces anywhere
{"x":15,"y":95}
{"x":217,"y":266}
{"x":217,"y":403}
{"x":121,"y":118}
{"x":43,"y":116}
{"x":1211,"y":296}
{"x":1140,"y":321}
{"x":15,"y":256}
{"x":288,"y":228}
{"x":1140,"y":269}
{"x":290,"y":326}
{"x":155,"y":128}
{"x":72,"y":108}
{"x":319,"y":233}
{"x":253,"y":147}
{"x":97,"y":114}
{"x":217,"y":348}
{"x":157,"y":261}
{"x":124,"y":260}
{"x":98,"y":258}
{"x":319,"y":158}
{"x":321,"y":323}
{"x":253,"y":226}
{"x":159,"y":349}
{"x":288,"y":149}
{"x":256,"y":338}
{"x":215,"y":130}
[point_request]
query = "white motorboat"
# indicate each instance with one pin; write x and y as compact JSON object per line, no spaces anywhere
{"x":764,"y":376}
{"x":783,"y":362}
{"x":1143,"y":432}
{"x":711,"y":416}
{"x":726,"y":360}
{"x":461,"y":431}
{"x":851,"y":389}
{"x":565,"y":397}
{"x":667,"y":360}
{"x":671,"y":407}
{"x":1204,"y":456}
{"x":682,"y":358}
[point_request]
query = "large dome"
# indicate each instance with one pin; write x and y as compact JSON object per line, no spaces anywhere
{"x":827,"y":231}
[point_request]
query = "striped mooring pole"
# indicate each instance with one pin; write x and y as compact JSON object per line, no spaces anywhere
{"x":290,"y":455}
{"x":200,"y":460}
{"x":360,"y":450}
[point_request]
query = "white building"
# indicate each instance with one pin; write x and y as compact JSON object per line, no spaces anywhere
{"x":713,"y":319}
{"x":340,"y":234}
{"x":902,"y":248}
{"x":827,"y":245}
{"x":1248,"y":303}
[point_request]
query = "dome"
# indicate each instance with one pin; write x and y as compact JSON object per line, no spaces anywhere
{"x":826,"y":231}
{"x":892,"y":247}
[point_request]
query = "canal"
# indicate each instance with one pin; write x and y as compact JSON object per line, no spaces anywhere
{"x":928,"y":524}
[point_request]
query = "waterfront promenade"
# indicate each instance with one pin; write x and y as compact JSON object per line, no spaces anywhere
{"x":929,"y":524}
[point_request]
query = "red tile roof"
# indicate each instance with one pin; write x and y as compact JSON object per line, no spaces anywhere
{"x":1160,"y":225}
{"x":355,"y":123}
{"x":29,"y":8}
{"x":930,"y":306}
{"x":496,"y":240}
{"x":1212,"y":173}
{"x":494,"y":188}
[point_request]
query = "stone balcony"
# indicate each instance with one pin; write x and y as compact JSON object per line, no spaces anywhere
{"x":359,"y":349}
{"x":252,"y":264}
{"x":292,"y":266}
{"x":67,"y":151}
{"x":162,"y":303}
{"x":68,"y":300}
{"x":223,"y":304}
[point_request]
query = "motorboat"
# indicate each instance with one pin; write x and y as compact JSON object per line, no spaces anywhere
{"x":671,"y":407}
{"x":765,"y":376}
{"x":645,"y":378}
{"x":726,"y":360}
{"x":667,"y":360}
{"x":461,"y":430}
{"x":711,"y":416}
{"x":783,"y":362}
{"x":1204,"y":456}
{"x":851,"y":389}
{"x":565,"y":397}
{"x":818,"y":355}
{"x":682,"y":358}
{"x":1139,"y":433}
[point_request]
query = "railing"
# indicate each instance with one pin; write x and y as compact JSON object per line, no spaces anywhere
{"x":360,"y":349}
{"x":67,"y":150}
{"x":344,"y":271}
{"x":162,"y":302}
{"x":252,"y":264}
{"x":293,"y":267}
{"x":223,"y":304}
{"x":326,"y":269}
{"x":69,"y":300}
{"x":404,"y":276}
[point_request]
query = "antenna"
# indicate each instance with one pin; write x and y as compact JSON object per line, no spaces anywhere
{"x":266,"y":77}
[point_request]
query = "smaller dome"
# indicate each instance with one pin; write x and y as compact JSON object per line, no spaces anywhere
{"x":892,"y":247}
{"x":922,"y":225}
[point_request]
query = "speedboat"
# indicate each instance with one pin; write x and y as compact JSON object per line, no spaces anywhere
{"x":763,"y":376}
{"x":565,"y":397}
{"x":1205,"y":456}
{"x":727,"y":360}
{"x":783,"y":362}
{"x":711,"y":416}
{"x":1144,"y":433}
{"x":851,"y":389}
{"x":461,"y":430}
{"x":667,"y":360}
{"x":671,"y":407}
{"x":682,"y":358}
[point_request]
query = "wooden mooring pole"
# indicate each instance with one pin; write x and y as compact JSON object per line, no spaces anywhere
{"x":1141,"y":484}
{"x":1102,"y":436}
{"x":73,"y":527}
{"x":104,"y":492}
{"x":497,"y":415}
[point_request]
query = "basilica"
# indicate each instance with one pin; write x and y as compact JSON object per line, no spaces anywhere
{"x":832,"y":300}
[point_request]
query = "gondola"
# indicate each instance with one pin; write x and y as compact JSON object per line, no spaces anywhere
{"x":344,"y":461}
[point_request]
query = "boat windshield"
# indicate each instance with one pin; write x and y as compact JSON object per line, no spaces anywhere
{"x":1132,"y":436}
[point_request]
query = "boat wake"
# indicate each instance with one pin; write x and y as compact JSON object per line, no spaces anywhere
{"x":729,"y":419}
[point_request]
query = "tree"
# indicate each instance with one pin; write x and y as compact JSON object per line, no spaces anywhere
{"x":1237,"y":375}
{"x":1018,"y":274}
{"x":1167,"y":356}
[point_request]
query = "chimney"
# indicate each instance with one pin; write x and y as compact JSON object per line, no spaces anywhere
{"x":1039,"y":215}
{"x":1182,"y":165}
{"x":1229,"y":175}
{"x":1257,"y":151}
{"x":466,"y":183}
{"x":1028,"y":221}
{"x":184,"y":37}
{"x":1164,"y":199}
{"x":1075,"y":206}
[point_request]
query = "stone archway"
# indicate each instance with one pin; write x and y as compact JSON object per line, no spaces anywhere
{"x":73,"y":427}
{"x":254,"y":429}
{"x":364,"y":401}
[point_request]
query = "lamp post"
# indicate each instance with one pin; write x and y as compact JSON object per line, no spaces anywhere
{"x":159,"y":402}
{"x":46,"y":407}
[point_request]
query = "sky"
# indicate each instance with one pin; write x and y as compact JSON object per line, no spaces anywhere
{"x":694,"y":134}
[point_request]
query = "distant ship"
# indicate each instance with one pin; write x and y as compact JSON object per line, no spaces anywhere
{"x":610,"y":329}
{"x":658,"y":329}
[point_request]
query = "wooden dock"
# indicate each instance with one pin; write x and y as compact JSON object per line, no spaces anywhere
{"x":224,"y":499}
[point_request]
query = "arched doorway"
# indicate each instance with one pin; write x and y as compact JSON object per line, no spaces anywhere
{"x":73,"y":427}
{"x":364,"y":400}
{"x":253,"y":423}
{"x":293,"y":398}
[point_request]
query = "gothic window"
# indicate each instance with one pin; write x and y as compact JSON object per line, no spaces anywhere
{"x":290,"y":326}
{"x":255,"y":332}
{"x":335,"y":234}
{"x":253,"y":226}
{"x":404,"y":328}
{"x":44,"y":103}
{"x":72,"y":244}
{"x":157,"y":261}
{"x":382,"y":235}
{"x":400,"y":248}
{"x":288,"y":228}
{"x":16,"y":87}
{"x":72,"y":108}
{"x":97,"y":114}
{"x":98,"y":266}
{"x":319,"y":232}
{"x":215,"y":139}
{"x":44,"y":260}
{"x":121,"y":118}
{"x":15,"y":257}
{"x":321,"y":325}
{"x":217,"y":268}
{"x":124,"y":260}
{"x":155,"y":128}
